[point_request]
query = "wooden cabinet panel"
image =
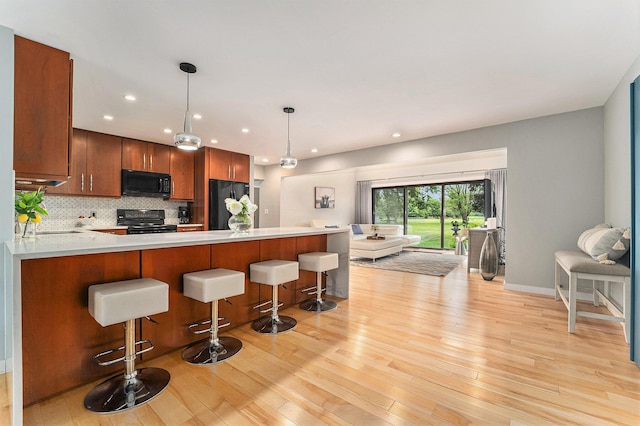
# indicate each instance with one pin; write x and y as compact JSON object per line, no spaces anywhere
{"x":42,"y":111}
{"x":227,"y":165}
{"x":219,"y":164}
{"x":238,"y":256}
{"x":103,"y":165}
{"x":182,"y":174}
{"x":190,"y":228}
{"x":60,"y":337}
{"x":145,"y":156}
{"x":95,"y":165}
{"x":240,"y":164}
{"x":307,"y":279}
{"x":169,"y":265}
{"x":283,"y":249}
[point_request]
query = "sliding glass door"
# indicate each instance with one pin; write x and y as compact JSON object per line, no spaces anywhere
{"x":431,"y":210}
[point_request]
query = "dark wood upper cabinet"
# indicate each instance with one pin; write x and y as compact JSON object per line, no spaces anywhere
{"x":182,"y":174}
{"x":95,"y":165}
{"x":42,"y":111}
{"x":145,"y":156}
{"x":227,"y":165}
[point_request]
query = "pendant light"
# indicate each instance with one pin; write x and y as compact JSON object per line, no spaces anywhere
{"x":288,"y":162}
{"x":187,"y":140}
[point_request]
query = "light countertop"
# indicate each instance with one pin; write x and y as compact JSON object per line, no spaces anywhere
{"x":84,"y":241}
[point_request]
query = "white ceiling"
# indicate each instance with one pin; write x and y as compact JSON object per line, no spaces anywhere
{"x":355,"y":71}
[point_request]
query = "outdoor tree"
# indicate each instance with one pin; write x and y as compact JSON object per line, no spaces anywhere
{"x":389,"y":204}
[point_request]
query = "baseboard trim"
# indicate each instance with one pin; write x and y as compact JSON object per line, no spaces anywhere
{"x":544,"y":291}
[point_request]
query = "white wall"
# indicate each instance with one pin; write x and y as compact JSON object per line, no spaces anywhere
{"x":297,"y":203}
{"x":617,"y":152}
{"x":6,"y":184}
{"x":555,"y":183}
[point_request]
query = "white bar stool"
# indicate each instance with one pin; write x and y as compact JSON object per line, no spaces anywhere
{"x":317,"y":262}
{"x":273,"y":273}
{"x":125,"y":301}
{"x":209,"y":287}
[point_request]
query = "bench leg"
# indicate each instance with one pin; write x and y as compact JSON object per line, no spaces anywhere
{"x":557,"y":282}
{"x":626,"y":305}
{"x":573,"y":284}
{"x":596,"y":298}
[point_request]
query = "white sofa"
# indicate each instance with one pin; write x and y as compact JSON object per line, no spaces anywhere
{"x":388,"y":231}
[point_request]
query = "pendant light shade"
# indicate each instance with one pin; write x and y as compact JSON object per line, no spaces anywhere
{"x":187,"y":140}
{"x":288,"y":162}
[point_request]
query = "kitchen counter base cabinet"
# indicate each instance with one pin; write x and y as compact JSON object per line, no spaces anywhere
{"x":168,"y":265}
{"x":60,"y":337}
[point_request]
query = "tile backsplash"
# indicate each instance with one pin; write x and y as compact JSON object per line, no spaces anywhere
{"x":64,"y":212}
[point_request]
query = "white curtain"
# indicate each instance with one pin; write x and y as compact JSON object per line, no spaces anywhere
{"x":499,"y":205}
{"x":363,"y":202}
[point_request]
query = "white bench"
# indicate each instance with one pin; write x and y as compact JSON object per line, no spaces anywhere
{"x":580,"y":266}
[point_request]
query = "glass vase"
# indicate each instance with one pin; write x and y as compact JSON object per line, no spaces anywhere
{"x":489,"y":257}
{"x":240,"y":224}
{"x":27,"y":229}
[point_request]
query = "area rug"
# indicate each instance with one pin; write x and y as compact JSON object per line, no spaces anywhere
{"x":415,"y":262}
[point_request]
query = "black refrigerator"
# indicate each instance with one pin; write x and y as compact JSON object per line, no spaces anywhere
{"x":219,"y":190}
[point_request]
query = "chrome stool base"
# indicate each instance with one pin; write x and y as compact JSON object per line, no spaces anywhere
{"x":269,"y":325}
{"x":203,"y":352}
{"x":313,"y":305}
{"x":118,"y":393}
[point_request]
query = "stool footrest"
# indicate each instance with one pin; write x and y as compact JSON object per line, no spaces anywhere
{"x":192,"y":327}
{"x":264,"y":311}
{"x":97,"y":357}
{"x":309,"y":290}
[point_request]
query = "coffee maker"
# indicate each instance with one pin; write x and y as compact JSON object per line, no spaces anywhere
{"x":183,"y":214}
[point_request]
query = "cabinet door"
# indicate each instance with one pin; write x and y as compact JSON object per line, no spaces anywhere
{"x":220,"y":164}
{"x":182,"y":174}
{"x":41,"y":110}
{"x":76,"y":184}
{"x":134,"y":155}
{"x":240,"y":164}
{"x":158,"y":157}
{"x":55,"y":316}
{"x":103,"y":165}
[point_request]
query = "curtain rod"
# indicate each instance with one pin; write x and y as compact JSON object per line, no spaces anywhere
{"x":432,"y":175}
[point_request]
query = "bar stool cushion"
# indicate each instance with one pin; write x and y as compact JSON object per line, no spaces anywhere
{"x":213,"y":284}
{"x":119,"y":301}
{"x":318,"y":261}
{"x":274,"y":272}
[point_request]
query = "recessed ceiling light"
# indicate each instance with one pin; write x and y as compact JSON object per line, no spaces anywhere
{"x":265,"y":160}
{"x":396,"y":135}
{"x":108,"y":117}
{"x":130,"y":97}
{"x":167,"y":130}
{"x":197,"y":116}
{"x":314,"y":150}
{"x":245,"y":130}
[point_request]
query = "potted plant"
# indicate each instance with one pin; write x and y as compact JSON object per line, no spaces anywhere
{"x":29,"y":211}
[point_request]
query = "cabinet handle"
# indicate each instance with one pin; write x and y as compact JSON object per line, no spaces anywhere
{"x":144,"y":161}
{"x":150,"y":161}
{"x":234,"y":172}
{"x":82,"y":182}
{"x":229,"y":172}
{"x":91,"y":182}
{"x":173,"y":188}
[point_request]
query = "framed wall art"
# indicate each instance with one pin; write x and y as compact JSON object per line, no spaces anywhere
{"x":325,"y":197}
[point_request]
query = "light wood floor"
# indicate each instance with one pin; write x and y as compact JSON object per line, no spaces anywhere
{"x":404,"y":349}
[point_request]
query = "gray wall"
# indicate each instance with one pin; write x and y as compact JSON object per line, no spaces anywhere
{"x":6,"y":183}
{"x":555,"y":183}
{"x":617,"y":152}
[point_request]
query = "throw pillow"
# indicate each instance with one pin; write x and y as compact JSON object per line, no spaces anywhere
{"x":356,"y":229}
{"x":605,"y":245}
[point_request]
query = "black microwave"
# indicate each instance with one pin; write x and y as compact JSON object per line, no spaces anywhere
{"x":146,"y":184}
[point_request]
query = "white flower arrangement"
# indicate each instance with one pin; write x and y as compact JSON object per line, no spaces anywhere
{"x":242,"y":207}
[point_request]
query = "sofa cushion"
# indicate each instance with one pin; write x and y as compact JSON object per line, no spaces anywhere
{"x":604,"y":244}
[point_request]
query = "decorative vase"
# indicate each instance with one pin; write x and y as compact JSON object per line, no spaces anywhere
{"x":489,"y":257}
{"x":240,"y":224}
{"x":27,"y":229}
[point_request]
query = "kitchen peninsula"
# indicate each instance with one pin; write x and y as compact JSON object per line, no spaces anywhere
{"x":54,"y":336}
